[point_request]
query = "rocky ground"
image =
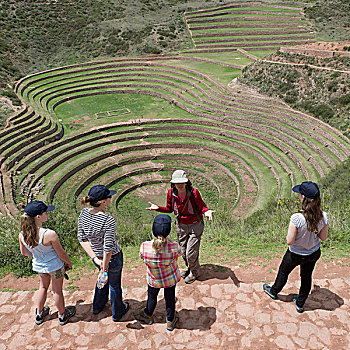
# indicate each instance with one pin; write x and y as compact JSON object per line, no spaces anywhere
{"x":226,"y":308}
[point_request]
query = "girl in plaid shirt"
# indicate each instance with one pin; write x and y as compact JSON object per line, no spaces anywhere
{"x":160,"y":256}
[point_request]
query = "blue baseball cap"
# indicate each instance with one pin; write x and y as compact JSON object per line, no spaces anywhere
{"x":100,"y":192}
{"x":308,"y":189}
{"x":161,"y":225}
{"x":35,"y":208}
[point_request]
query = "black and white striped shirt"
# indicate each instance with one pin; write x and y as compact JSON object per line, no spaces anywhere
{"x":99,"y":229}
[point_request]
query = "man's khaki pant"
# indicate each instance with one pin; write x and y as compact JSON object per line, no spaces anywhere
{"x":189,"y":238}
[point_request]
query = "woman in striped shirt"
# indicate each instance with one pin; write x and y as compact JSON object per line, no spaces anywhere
{"x":96,"y":234}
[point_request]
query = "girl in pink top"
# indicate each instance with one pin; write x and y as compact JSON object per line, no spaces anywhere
{"x":160,"y":256}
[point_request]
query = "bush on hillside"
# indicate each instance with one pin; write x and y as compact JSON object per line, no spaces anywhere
{"x":321,"y":93}
{"x":325,"y":13}
{"x":38,"y":37}
{"x":11,"y":95}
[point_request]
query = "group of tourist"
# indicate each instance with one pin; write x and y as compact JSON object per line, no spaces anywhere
{"x":96,"y":234}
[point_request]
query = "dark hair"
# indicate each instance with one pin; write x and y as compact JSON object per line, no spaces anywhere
{"x":89,"y":200}
{"x":312,"y":212}
{"x":189,"y":187}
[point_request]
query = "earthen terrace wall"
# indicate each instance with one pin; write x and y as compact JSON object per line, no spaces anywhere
{"x":314,"y":52}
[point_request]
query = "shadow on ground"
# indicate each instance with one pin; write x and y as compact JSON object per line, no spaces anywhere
{"x":319,"y":299}
{"x":324,"y":299}
{"x":201,"y":319}
{"x":211,"y":271}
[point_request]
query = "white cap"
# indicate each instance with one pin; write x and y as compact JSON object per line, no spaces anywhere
{"x":179,"y":177}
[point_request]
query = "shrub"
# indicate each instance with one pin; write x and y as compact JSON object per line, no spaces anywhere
{"x":344,"y":100}
{"x":10,"y":256}
{"x":323,"y":111}
{"x":151,"y":49}
{"x":12,"y":96}
{"x":332,"y":86}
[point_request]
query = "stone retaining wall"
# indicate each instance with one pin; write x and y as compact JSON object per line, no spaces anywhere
{"x":314,"y":52}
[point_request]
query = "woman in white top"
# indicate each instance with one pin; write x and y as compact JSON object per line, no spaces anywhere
{"x":305,"y":231}
{"x":50,"y":260}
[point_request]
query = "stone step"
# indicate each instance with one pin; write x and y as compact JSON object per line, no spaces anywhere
{"x":212,"y":316}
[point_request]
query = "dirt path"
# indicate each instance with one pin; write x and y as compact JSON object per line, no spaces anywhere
{"x":225,"y":309}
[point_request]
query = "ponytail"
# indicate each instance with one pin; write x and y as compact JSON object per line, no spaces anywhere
{"x":29,"y":230}
{"x":159,"y":243}
{"x":89,"y":200}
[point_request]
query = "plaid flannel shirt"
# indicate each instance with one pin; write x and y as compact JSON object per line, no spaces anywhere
{"x":162,"y":268}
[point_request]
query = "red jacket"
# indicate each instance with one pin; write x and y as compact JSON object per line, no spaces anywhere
{"x":188,"y":215}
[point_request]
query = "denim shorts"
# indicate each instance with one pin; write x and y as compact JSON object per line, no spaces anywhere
{"x":55,"y":274}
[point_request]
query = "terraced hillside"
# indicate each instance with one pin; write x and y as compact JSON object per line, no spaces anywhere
{"x":128,"y":123}
{"x":249,"y":26}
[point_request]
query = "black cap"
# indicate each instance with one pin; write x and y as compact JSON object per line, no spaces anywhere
{"x":37,"y":208}
{"x":308,"y":189}
{"x":100,"y":192}
{"x":161,"y":225}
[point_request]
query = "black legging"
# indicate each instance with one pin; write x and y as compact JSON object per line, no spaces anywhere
{"x":169,"y":296}
{"x":307,"y":265}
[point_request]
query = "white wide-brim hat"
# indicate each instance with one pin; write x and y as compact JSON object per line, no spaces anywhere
{"x":179,"y":177}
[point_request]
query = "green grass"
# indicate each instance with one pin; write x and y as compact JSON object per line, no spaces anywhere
{"x":11,"y":290}
{"x":233,"y":57}
{"x":261,"y":235}
{"x":256,"y":37}
{"x":71,"y":288}
{"x":140,"y":106}
{"x":248,"y":24}
{"x":237,"y":16}
{"x":253,"y":8}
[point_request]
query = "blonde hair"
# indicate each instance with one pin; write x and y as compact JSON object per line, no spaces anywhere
{"x":89,"y":200}
{"x":29,"y":230}
{"x":159,"y":243}
{"x":312,"y":212}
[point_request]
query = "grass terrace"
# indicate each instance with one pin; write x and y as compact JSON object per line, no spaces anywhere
{"x":173,"y":114}
{"x":129,"y":122}
{"x":229,"y":27}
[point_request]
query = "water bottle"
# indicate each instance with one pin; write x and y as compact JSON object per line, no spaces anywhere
{"x":102,"y":279}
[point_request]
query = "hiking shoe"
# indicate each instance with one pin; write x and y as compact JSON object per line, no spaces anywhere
{"x":69,"y":312}
{"x":127,"y":307}
{"x":185,"y":273}
{"x":267,"y":290}
{"x":141,"y":316}
{"x":300,"y":309}
{"x":190,"y":278}
{"x":96,"y":312}
{"x":170,"y":325}
{"x":39,"y":318}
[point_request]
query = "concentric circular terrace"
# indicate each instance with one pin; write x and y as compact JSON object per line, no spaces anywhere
{"x":128,"y":123}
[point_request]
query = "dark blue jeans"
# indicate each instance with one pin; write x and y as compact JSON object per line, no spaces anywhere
{"x":289,"y":262}
{"x":114,"y":285}
{"x":169,"y":296}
